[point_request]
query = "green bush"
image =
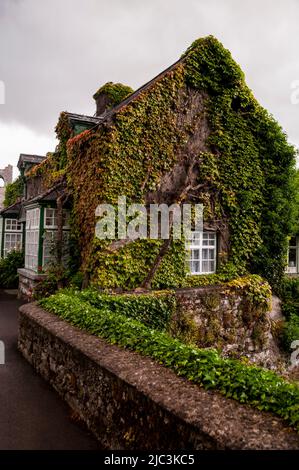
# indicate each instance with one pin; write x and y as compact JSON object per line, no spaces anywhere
{"x":154,"y":310}
{"x":291,"y":331}
{"x":290,"y":308}
{"x":9,"y":269}
{"x":13,"y":192}
{"x":248,"y":384}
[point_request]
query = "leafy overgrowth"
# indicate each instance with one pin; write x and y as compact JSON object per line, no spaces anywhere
{"x":13,"y":192}
{"x":247,"y":384}
{"x":9,"y":269}
{"x":154,"y":310}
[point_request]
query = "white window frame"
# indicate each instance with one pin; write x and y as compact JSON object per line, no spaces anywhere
{"x":51,"y":213}
{"x":293,"y":269}
{"x":12,"y":241}
{"x":32,"y":238}
{"x":9,"y":222}
{"x":50,"y":231}
{"x":49,"y":240}
{"x":196,"y":246}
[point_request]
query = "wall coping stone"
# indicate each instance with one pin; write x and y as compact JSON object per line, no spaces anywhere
{"x":228,"y":423}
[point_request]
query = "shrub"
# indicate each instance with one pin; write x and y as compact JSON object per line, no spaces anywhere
{"x":291,"y":331}
{"x":248,"y":384}
{"x":290,"y":309}
{"x":154,"y":310}
{"x":9,"y":269}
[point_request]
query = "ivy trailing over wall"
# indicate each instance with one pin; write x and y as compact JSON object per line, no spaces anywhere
{"x":13,"y":192}
{"x":115,"y":93}
{"x":248,"y":384}
{"x":255,"y":163}
{"x":128,"y":157}
{"x":64,"y":133}
{"x":154,"y":310}
{"x":199,"y":118}
{"x":48,"y":170}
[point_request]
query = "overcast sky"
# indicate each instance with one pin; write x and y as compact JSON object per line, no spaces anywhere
{"x":54,"y":54}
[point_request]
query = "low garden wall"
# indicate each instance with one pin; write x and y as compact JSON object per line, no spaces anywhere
{"x":131,"y":402}
{"x":225,"y":318}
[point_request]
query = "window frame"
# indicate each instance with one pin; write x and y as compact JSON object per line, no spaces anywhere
{"x":196,"y":243}
{"x":32,"y":238}
{"x":18,"y":228}
{"x":15,"y":245}
{"x":292,"y":269}
{"x":54,"y":212}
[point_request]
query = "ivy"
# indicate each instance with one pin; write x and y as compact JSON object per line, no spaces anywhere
{"x":154,"y":310}
{"x":9,"y":269}
{"x":247,"y":168}
{"x":115,"y":92}
{"x":13,"y":192}
{"x":248,"y":384}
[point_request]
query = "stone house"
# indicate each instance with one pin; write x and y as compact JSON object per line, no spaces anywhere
{"x":193,"y":134}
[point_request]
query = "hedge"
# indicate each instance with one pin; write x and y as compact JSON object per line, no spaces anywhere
{"x":154,"y":310}
{"x":9,"y":269}
{"x":248,"y":384}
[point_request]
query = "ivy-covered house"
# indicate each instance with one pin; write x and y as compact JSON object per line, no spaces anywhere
{"x":196,"y":134}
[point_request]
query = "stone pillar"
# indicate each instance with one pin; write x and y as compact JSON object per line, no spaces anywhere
{"x":5,"y":177}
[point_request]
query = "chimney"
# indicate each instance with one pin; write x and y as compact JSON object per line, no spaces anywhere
{"x":110,"y":95}
{"x":103,"y":100}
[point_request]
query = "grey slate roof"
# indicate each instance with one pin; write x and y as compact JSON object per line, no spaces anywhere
{"x":26,"y":158}
{"x":13,"y":209}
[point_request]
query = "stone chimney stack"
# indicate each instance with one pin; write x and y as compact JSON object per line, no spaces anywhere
{"x":103,"y":102}
{"x":110,"y":95}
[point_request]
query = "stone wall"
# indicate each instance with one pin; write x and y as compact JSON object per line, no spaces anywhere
{"x":28,"y":281}
{"x":221,"y":318}
{"x":131,"y":402}
{"x":6,"y":175}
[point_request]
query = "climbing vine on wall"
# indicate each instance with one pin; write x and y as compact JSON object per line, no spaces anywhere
{"x":254,"y":161}
{"x":244,"y":165}
{"x":115,"y":92}
{"x":13,"y":192}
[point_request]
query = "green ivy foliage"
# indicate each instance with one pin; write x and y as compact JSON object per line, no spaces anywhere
{"x":248,"y":384}
{"x":13,"y":191}
{"x":154,"y":310}
{"x":289,"y":293}
{"x":116,"y":92}
{"x":255,"y":163}
{"x":9,"y":269}
{"x":248,"y":165}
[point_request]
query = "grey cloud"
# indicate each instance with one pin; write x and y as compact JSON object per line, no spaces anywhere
{"x":55,"y":54}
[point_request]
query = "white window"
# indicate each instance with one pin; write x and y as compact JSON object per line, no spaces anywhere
{"x":51,"y":218}
{"x":49,"y":246}
{"x":12,"y":225}
{"x":201,"y":253}
{"x":32,"y":239}
{"x":293,"y":256}
{"x":12,"y":241}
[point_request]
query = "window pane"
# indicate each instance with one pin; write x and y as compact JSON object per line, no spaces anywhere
{"x":195,"y":267}
{"x":32,"y":238}
{"x":205,"y":266}
{"x":293,"y":241}
{"x":292,"y":257}
{"x":202,"y":252}
{"x":195,"y":254}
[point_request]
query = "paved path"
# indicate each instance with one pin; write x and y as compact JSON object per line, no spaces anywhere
{"x":32,"y":415}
